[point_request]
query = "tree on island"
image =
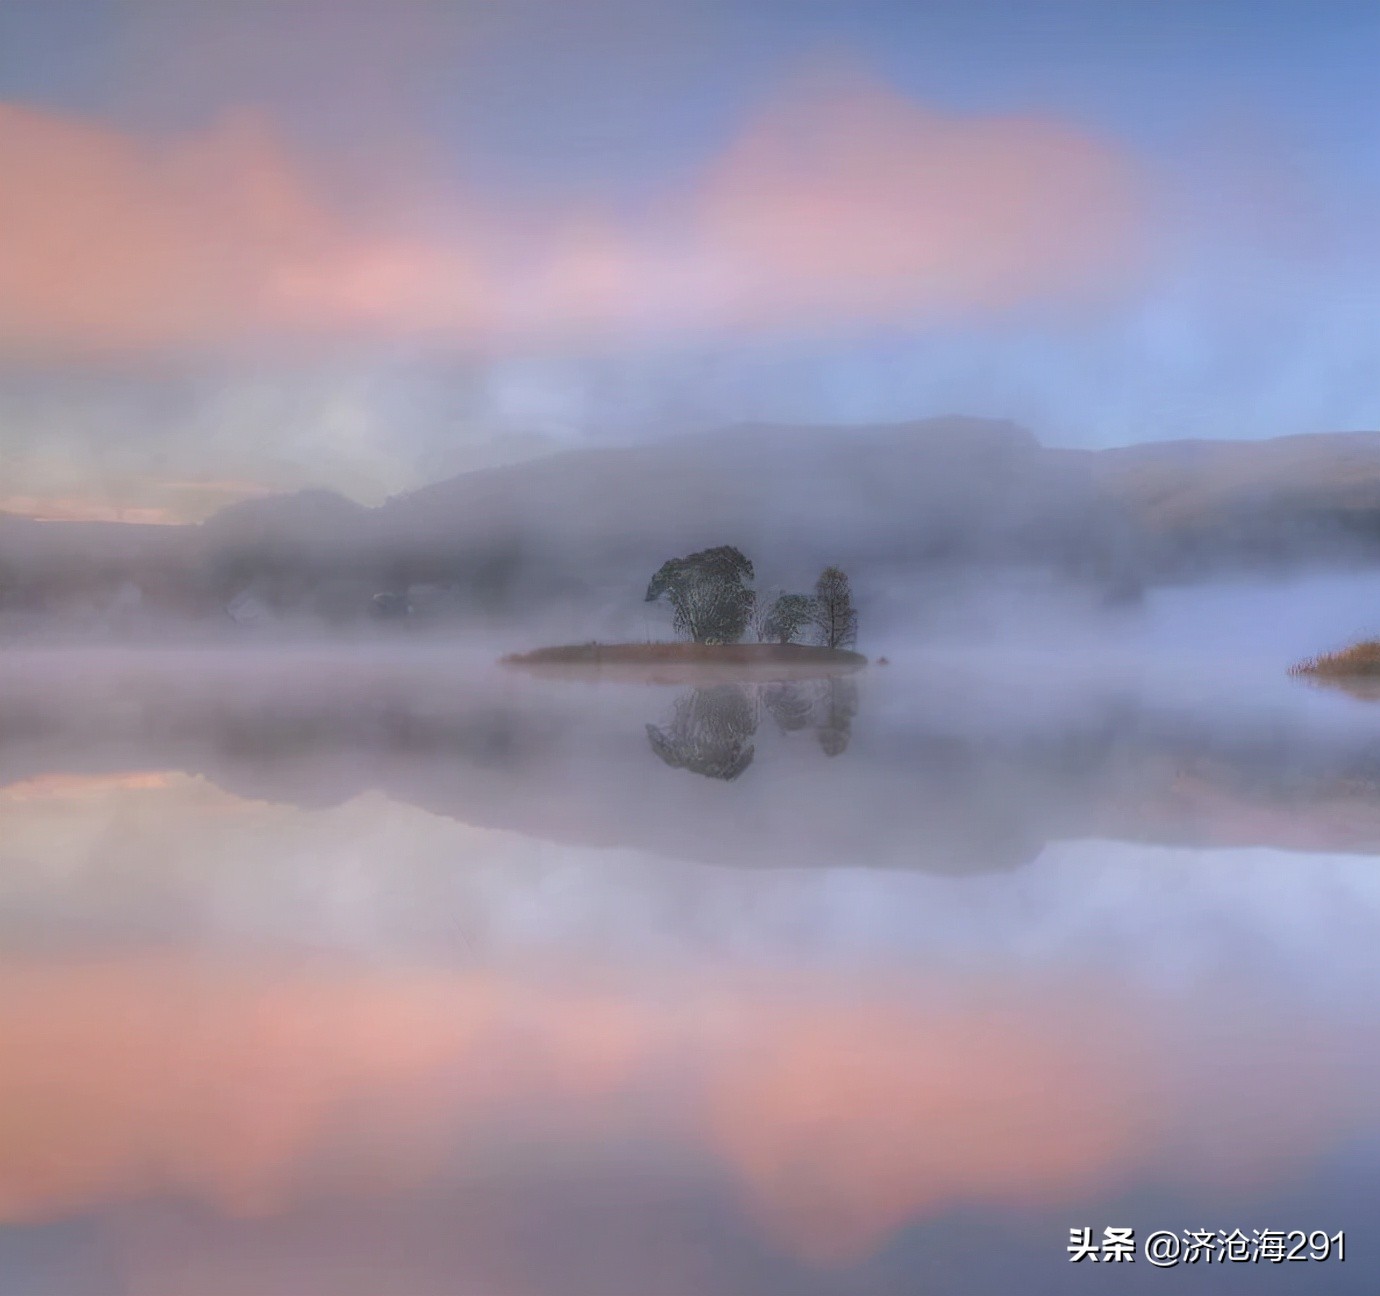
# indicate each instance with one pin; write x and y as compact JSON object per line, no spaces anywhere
{"x":786,"y":617}
{"x":708,"y":593}
{"x":834,"y":614}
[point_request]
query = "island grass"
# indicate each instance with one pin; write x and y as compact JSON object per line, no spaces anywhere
{"x":734,"y":654}
{"x":1360,"y":661}
{"x":688,"y":663}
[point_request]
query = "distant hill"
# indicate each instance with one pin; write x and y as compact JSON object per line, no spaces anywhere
{"x":792,"y":498}
{"x":1212,"y":503}
{"x":950,"y":492}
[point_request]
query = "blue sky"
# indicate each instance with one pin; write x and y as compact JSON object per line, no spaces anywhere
{"x":603,"y":182}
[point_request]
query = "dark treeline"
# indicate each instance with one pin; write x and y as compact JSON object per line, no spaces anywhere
{"x":713,"y":602}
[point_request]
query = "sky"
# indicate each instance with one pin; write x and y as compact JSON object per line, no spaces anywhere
{"x":367,"y":244}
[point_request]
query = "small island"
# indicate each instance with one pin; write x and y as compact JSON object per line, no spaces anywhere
{"x":713,"y":608}
{"x":1356,"y":669}
{"x":689,"y":663}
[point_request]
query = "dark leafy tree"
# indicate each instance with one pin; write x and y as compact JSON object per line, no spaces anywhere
{"x":835,"y":617}
{"x":762,"y":605}
{"x":787,"y":617}
{"x":709,"y":733}
{"x":708,"y":592}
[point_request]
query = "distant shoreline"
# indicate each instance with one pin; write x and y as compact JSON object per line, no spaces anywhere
{"x":689,"y":662}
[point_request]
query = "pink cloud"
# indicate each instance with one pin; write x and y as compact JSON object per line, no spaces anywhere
{"x":856,"y":200}
{"x":82,"y":508}
{"x":117,"y":244}
{"x":840,"y":204}
{"x":153,"y":501}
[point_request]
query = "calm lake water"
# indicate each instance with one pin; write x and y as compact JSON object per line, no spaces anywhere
{"x":390,"y":973}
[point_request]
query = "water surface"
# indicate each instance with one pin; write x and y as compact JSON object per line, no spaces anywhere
{"x":385,"y":973}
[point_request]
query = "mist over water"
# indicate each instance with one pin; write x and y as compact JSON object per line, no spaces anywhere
{"x":380,"y":966}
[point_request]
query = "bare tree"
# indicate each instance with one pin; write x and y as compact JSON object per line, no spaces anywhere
{"x":835,"y":616}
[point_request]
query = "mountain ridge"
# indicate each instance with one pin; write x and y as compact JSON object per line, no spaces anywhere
{"x":953,"y":491}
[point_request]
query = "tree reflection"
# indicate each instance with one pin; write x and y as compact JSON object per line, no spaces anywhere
{"x":711,"y":729}
{"x":837,"y":706}
{"x":709,"y":732}
{"x":792,"y":706}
